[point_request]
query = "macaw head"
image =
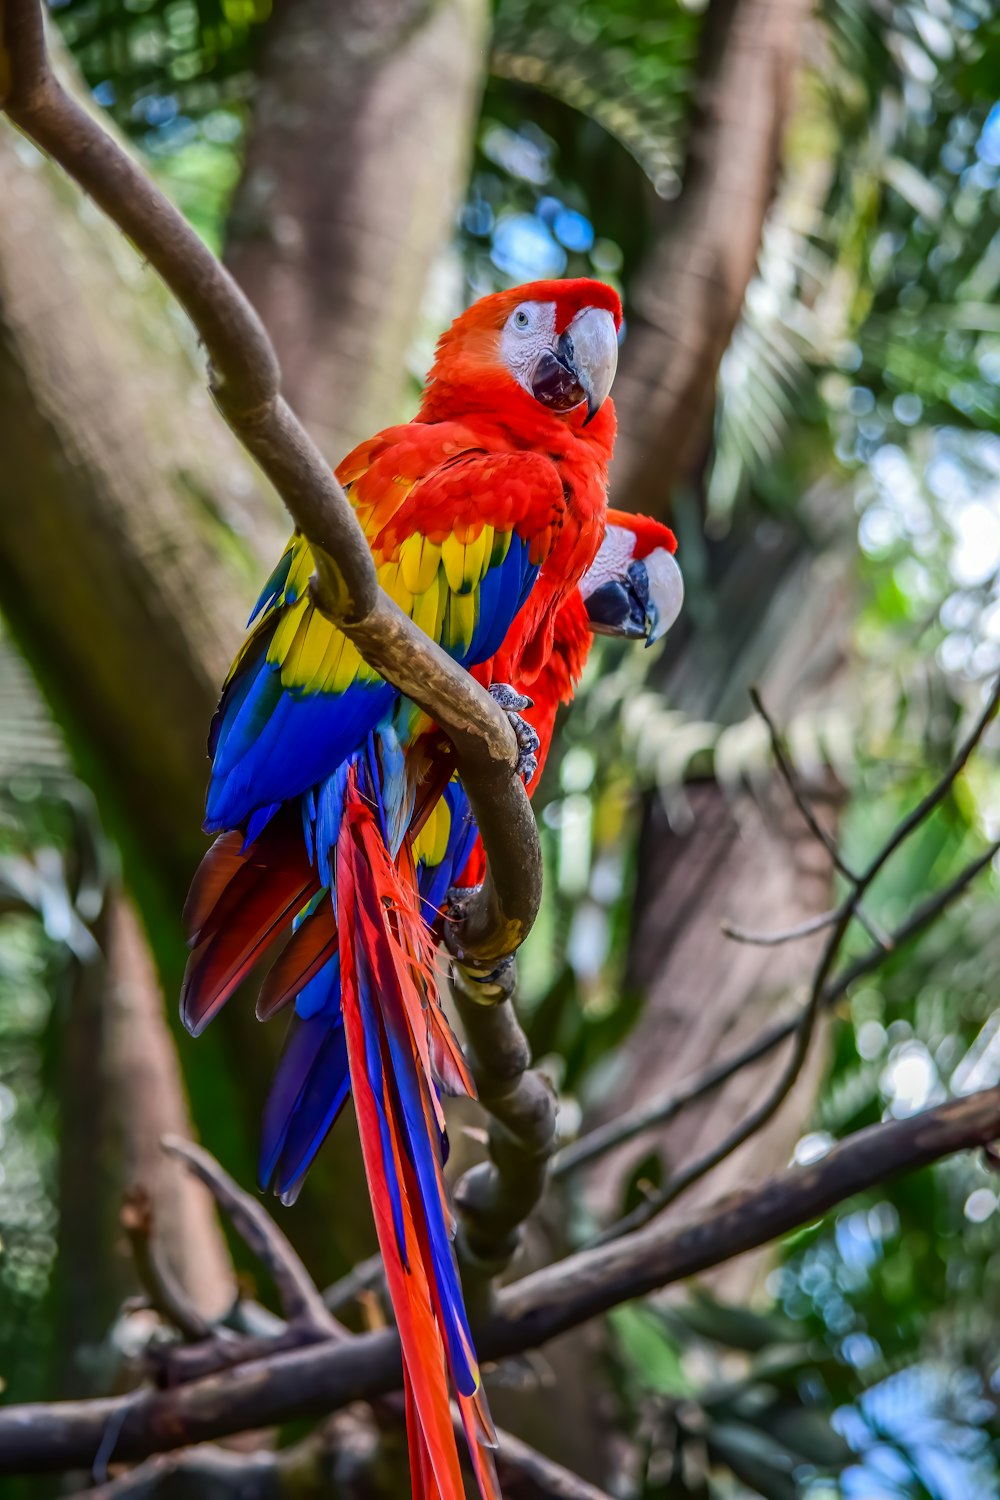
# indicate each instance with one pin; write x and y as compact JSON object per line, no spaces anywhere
{"x":634,"y":587}
{"x":550,"y":344}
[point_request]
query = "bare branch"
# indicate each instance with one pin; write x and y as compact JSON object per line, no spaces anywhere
{"x":494,"y":1198}
{"x":937,"y":793}
{"x":301,"y":1302}
{"x":364,"y":1277}
{"x":263,"y":1475}
{"x":635,"y":1122}
{"x":165,"y":1293}
{"x":789,"y":776}
{"x":805,"y":1024}
{"x":515,"y":1460}
{"x":782,"y":934}
{"x":323,"y":1377}
{"x":244,"y":379}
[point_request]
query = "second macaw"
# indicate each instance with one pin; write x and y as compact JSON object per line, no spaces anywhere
{"x":633,"y":590}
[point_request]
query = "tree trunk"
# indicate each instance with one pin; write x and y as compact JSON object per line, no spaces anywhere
{"x":689,"y":294}
{"x":120,"y":1092}
{"x":131,"y":526}
{"x":363,"y":127}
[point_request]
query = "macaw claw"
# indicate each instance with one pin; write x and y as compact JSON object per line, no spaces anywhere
{"x":528,"y":743}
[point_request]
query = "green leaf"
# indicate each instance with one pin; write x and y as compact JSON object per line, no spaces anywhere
{"x":648,"y":1349}
{"x":646,"y":1176}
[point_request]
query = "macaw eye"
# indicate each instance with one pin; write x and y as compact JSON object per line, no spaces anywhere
{"x":521,"y":319}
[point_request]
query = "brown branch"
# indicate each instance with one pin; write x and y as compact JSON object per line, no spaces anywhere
{"x":323,"y":1377}
{"x":805,"y":1025}
{"x":264,"y":1475}
{"x":166,"y":1295}
{"x":495,"y":1197}
{"x":938,"y":792}
{"x":244,"y":379}
{"x":788,"y":774}
{"x":301,"y":1302}
{"x":781,"y":935}
{"x":364,"y":1277}
{"x":657,"y":1201}
{"x":635,"y":1122}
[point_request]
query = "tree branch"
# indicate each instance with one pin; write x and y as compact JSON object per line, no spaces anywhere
{"x":244,"y":379}
{"x":804,"y":1027}
{"x":265,"y":1475}
{"x":635,"y":1122}
{"x":323,"y":1377}
{"x":495,"y":1197}
{"x":300,"y":1300}
{"x":166,"y":1295}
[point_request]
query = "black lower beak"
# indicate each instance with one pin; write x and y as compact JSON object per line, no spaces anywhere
{"x":554,"y":380}
{"x":619,"y":608}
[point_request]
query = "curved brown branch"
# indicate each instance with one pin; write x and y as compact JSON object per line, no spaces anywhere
{"x":166,"y":1295}
{"x":300,"y":1300}
{"x":626,"y":1127}
{"x":495,"y":1197}
{"x":265,"y":1475}
{"x":321,"y":1378}
{"x":244,"y":379}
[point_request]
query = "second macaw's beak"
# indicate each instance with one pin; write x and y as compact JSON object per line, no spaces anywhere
{"x":642,"y":604}
{"x":582,"y":365}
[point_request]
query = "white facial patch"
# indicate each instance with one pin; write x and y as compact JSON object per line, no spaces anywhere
{"x":611,"y":561}
{"x":527,"y":334}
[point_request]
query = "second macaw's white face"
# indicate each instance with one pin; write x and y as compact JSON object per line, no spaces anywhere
{"x":561,"y":370}
{"x":636,"y":598}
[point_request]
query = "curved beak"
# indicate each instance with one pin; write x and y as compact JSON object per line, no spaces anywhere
{"x":581,"y":367}
{"x":641,"y":604}
{"x":665,"y":593}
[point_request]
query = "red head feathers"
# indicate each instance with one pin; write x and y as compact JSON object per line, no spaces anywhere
{"x":547,"y":349}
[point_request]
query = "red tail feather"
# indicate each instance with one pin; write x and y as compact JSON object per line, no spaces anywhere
{"x":240,"y":903}
{"x":309,"y":949}
{"x":378,"y":916}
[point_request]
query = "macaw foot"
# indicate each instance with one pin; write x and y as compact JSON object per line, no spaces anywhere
{"x":512,"y":703}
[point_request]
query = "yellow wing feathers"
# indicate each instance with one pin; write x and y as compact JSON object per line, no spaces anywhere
{"x":436,"y":583}
{"x":431,"y":843}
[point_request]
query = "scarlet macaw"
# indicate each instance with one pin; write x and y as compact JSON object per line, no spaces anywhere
{"x":483,"y":514}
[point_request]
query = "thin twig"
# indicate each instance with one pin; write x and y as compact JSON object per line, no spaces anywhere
{"x":324,"y":1377}
{"x":364,"y":1277}
{"x":626,"y":1127}
{"x":825,"y":837}
{"x":790,"y":777}
{"x":165,"y":1293}
{"x":937,"y":793}
{"x":657,"y":1201}
{"x":301,"y":1302}
{"x":783,"y":934}
{"x":681,"y":1181}
{"x":244,"y":379}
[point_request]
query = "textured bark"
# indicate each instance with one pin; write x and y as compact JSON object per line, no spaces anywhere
{"x":363,"y":124}
{"x":131,"y":527}
{"x":688,"y":296}
{"x":120,"y":1092}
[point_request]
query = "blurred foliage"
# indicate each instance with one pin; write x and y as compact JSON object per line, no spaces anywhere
{"x":723,"y":1401}
{"x":53,"y":874}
